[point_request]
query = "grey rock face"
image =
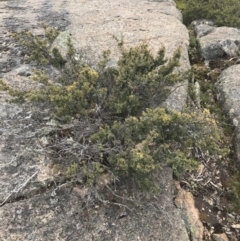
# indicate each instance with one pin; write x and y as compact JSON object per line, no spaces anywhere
{"x":61,"y":213}
{"x":202,"y":27}
{"x":230,"y":47}
{"x":211,"y":50}
{"x":215,"y":42}
{"x":24,"y":70}
{"x":220,"y":237}
{"x":228,"y":87}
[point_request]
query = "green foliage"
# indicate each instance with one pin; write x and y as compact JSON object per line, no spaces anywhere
{"x":181,"y":4}
{"x":206,"y":79}
{"x":40,"y":47}
{"x":142,"y":79}
{"x":157,"y":137}
{"x":19,"y":96}
{"x":93,"y":172}
{"x":75,"y":91}
{"x":234,"y":193}
{"x":222,"y":13}
{"x":71,"y":99}
{"x":201,"y":74}
{"x":126,"y":127}
{"x":3,"y":86}
{"x":72,"y":170}
{"x":193,"y":48}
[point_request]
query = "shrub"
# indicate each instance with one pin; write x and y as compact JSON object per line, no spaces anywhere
{"x":121,"y":128}
{"x":222,"y":13}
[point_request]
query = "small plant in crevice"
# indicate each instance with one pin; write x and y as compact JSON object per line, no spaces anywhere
{"x":203,"y":216}
{"x":72,"y":170}
{"x":117,"y":123}
{"x":221,"y":13}
{"x":194,"y":48}
{"x":234,"y":193}
{"x":207,"y":79}
{"x":201,"y":74}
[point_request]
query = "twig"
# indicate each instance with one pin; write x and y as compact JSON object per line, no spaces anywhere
{"x":197,"y":179}
{"x":108,"y":202}
{"x":118,"y":195}
{"x":13,"y":159}
{"x":220,"y":189}
{"x":19,"y":189}
{"x":204,"y":184}
{"x":183,"y":181}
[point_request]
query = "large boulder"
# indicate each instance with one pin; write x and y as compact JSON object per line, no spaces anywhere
{"x":37,"y":203}
{"x":216,"y":42}
{"x":92,"y":25}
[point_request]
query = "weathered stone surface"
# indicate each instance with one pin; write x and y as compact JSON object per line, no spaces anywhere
{"x":228,"y":90}
{"x":228,"y":87}
{"x":92,"y":27}
{"x":24,"y":70}
{"x":202,"y":27}
{"x":23,"y":166}
{"x":64,"y":214}
{"x":190,"y":214}
{"x":220,"y":237}
{"x":215,"y":42}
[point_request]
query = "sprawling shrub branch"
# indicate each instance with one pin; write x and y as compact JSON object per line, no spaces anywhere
{"x":119,"y":127}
